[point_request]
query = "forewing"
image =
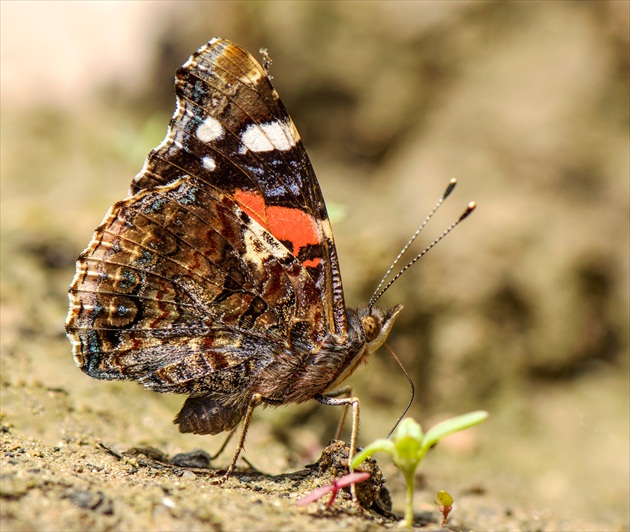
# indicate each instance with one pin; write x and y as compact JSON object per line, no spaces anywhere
{"x":231,"y":132}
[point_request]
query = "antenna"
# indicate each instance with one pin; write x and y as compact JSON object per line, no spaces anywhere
{"x":449,"y":189}
{"x":470,"y":208}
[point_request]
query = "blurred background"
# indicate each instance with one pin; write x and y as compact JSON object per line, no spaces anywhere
{"x":522,"y":311}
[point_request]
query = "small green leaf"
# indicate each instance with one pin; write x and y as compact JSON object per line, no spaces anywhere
{"x":453,"y":425}
{"x":444,"y":498}
{"x":408,"y":428}
{"x":408,"y":440}
{"x":385,"y":446}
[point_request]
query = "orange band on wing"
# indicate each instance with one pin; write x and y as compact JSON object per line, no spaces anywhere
{"x":284,"y":223}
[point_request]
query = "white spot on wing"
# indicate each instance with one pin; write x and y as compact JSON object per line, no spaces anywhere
{"x":255,"y":254}
{"x":208,"y":163}
{"x":191,"y":62}
{"x":209,"y":130}
{"x":178,"y":140}
{"x":252,"y":77}
{"x":267,"y":137}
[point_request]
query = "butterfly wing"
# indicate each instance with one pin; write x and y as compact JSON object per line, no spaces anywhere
{"x":221,"y":262}
{"x":165,"y":279}
{"x":231,"y":131}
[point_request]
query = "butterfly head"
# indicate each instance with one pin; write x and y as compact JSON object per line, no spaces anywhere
{"x":377,"y":324}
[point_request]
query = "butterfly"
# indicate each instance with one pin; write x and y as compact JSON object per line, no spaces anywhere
{"x":217,"y":277}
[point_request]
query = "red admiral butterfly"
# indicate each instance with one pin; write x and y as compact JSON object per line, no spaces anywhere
{"x":218,"y":276}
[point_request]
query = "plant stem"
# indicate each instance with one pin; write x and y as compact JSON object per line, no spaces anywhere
{"x":410,"y":479}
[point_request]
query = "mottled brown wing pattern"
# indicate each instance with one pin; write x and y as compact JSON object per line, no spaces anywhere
{"x":231,"y":131}
{"x":164,"y":294}
{"x":224,"y":242}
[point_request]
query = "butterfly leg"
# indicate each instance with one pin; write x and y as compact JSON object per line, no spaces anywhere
{"x":224,"y":444}
{"x":345,"y":391}
{"x":253,"y":403}
{"x":332,"y":400}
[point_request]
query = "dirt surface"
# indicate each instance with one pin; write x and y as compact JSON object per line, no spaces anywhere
{"x":523,"y":311}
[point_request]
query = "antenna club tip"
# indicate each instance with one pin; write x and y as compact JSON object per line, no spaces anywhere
{"x":449,"y":188}
{"x":471,"y":207}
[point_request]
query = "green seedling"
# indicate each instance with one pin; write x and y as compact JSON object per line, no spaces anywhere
{"x":408,"y":445}
{"x":445,"y":500}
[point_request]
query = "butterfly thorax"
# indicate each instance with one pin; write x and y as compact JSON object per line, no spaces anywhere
{"x":340,"y":355}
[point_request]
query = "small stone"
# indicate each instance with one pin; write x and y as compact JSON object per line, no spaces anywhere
{"x":197,"y":458}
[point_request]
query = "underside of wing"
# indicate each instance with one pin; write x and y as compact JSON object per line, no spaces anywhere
{"x":230,"y":132}
{"x":165,"y":294}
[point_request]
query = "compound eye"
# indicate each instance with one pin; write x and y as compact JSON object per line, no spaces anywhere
{"x":371,"y":326}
